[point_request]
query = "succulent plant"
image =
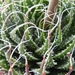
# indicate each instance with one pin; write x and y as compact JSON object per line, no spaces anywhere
{"x":30,"y":46}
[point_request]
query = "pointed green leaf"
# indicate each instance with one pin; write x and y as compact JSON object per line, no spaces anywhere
{"x":65,"y":51}
{"x":30,"y":57}
{"x":41,"y":51}
{"x":50,"y":62}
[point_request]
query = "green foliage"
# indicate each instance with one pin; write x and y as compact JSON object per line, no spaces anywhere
{"x":21,"y":23}
{"x":41,"y":51}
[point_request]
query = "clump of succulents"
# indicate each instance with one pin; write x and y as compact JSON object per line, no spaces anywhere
{"x":37,"y":39}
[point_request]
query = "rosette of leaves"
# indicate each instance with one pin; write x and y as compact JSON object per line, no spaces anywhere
{"x":23,"y":39}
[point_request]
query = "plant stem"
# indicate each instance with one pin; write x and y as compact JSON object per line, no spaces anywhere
{"x":50,"y":12}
